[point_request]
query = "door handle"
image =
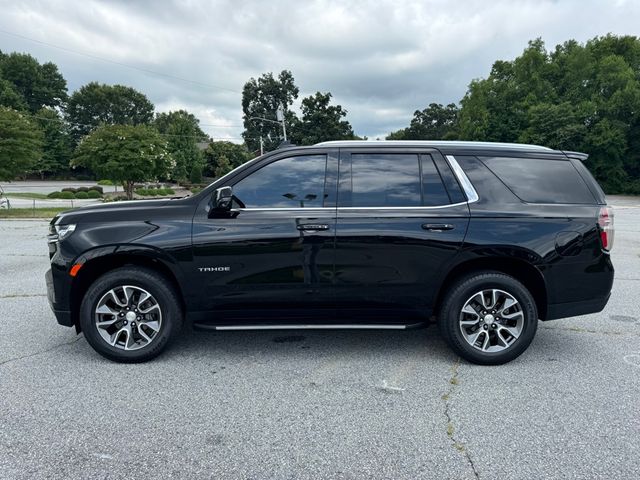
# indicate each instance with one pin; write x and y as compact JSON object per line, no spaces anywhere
{"x":313,"y":226}
{"x":437,"y":227}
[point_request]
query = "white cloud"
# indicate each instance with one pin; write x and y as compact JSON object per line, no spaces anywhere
{"x":381,"y":59}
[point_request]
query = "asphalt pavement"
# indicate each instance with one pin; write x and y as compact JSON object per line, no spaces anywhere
{"x":323,"y":404}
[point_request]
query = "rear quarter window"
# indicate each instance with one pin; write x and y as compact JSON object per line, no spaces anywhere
{"x":537,"y":180}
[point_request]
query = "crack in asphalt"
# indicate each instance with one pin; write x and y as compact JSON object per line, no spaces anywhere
{"x":35,"y":354}
{"x":446,"y":397}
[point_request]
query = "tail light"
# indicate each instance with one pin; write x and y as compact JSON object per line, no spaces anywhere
{"x":605,"y":221}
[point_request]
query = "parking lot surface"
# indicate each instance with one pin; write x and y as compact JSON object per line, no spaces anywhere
{"x":317,"y":404}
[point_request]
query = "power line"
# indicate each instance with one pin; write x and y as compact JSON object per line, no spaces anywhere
{"x":114,"y":62}
{"x":229,"y":138}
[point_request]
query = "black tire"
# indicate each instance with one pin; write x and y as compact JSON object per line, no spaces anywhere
{"x":464,"y":289}
{"x":161,"y":290}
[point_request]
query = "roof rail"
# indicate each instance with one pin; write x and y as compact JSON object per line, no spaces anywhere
{"x":434,"y":143}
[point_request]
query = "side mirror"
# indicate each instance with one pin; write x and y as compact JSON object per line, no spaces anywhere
{"x":222,"y":199}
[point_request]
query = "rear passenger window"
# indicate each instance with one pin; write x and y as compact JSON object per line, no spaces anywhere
{"x":537,"y":180}
{"x":433,"y":191}
{"x":391,"y":180}
{"x":385,"y":180}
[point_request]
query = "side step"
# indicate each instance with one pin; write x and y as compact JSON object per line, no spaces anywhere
{"x":311,"y":326}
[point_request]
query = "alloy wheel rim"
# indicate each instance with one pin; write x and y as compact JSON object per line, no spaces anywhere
{"x":128,"y":317}
{"x":491,"y":320}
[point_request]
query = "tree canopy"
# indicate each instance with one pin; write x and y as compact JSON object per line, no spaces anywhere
{"x":126,"y":154}
{"x":95,"y":104}
{"x":575,"y":97}
{"x":321,"y":121}
{"x":436,"y":122}
{"x":57,"y":145}
{"x":221,"y":157}
{"x":38,"y":85}
{"x":182,"y":133}
{"x":20,"y":143}
{"x":582,"y":97}
{"x":260,"y":100}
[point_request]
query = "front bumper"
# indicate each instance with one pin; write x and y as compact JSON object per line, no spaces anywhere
{"x":63,"y":316}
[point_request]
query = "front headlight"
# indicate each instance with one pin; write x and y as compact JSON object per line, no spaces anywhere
{"x":60,"y":232}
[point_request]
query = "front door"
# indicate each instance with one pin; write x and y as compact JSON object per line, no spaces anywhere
{"x":274,"y":255}
{"x":398,"y":227}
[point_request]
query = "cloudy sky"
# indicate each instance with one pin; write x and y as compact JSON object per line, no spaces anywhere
{"x":380,"y":59}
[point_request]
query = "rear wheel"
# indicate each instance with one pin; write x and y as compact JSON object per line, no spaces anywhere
{"x":488,"y":318}
{"x":130,"y":314}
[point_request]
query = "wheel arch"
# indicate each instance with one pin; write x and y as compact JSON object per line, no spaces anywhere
{"x":524,"y":272}
{"x":104,"y":261}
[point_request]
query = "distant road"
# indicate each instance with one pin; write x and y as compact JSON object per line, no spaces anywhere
{"x":44,"y":186}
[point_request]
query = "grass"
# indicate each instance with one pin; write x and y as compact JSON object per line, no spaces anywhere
{"x":30,"y":212}
{"x":26,"y":195}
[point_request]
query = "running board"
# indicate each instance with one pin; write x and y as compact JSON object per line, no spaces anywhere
{"x":311,"y":326}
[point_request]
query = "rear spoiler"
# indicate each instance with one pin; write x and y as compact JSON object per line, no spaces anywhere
{"x":577,"y":155}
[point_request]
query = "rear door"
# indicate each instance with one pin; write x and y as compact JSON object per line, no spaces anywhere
{"x":401,"y":219}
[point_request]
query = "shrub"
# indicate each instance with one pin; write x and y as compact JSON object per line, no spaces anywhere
{"x":82,"y":195}
{"x":105,"y":182}
{"x":93,"y":194}
{"x":169,"y":191}
{"x":196,"y":174}
{"x":152,"y":192}
{"x":82,"y":189}
{"x":97,"y":189}
{"x":69,"y":189}
{"x":142,"y":191}
{"x":54,"y":195}
{"x":195,"y":190}
{"x":67,"y":195}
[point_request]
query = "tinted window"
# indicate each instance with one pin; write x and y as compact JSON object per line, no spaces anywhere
{"x":433,"y":190}
{"x":540,"y":180}
{"x":384,"y":180}
{"x":291,"y":182}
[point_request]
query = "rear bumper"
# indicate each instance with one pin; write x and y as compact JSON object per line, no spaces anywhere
{"x":573,"y":309}
{"x":62,"y":316}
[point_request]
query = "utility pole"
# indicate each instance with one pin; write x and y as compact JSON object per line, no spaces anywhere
{"x":280,"y":117}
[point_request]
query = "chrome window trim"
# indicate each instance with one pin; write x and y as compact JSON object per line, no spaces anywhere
{"x":283,"y":209}
{"x":467,"y":186}
{"x":312,"y":209}
{"x":429,"y":207}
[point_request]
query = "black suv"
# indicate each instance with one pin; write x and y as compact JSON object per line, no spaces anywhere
{"x":486,"y":237}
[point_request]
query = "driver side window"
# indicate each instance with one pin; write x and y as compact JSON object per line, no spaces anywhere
{"x":294,"y":182}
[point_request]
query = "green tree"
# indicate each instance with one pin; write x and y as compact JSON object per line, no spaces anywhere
{"x":20,"y":144}
{"x":57,"y":144}
{"x":233,"y":153}
{"x":95,"y":104}
{"x":436,"y":122}
{"x":223,"y":167}
{"x":583,"y":97}
{"x":321,"y":121}
{"x":9,"y":96}
{"x":125,"y":153}
{"x":260,"y":99}
{"x":182,"y":132}
{"x":38,"y":85}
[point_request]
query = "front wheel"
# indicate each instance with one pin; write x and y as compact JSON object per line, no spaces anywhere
{"x":488,"y":318}
{"x":130,"y":314}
